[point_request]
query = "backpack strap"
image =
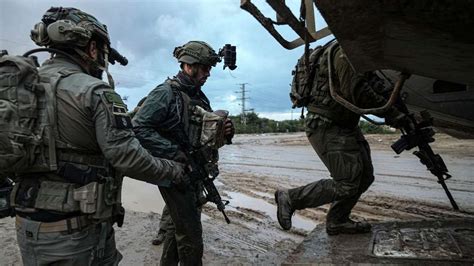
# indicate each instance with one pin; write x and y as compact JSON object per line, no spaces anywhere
{"x":50,"y":85}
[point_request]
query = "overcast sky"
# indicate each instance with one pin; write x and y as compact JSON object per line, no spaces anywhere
{"x":146,"y":32}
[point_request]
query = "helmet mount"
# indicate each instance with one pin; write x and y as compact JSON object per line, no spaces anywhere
{"x":198,"y":52}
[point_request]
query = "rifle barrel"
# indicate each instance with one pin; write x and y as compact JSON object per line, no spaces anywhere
{"x":437,"y":167}
{"x":448,"y":193}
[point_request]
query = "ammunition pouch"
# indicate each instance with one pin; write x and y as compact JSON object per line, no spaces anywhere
{"x":56,"y":196}
{"x":108,"y":199}
{"x":99,"y":199}
{"x":211,"y":131}
{"x":87,"y":197}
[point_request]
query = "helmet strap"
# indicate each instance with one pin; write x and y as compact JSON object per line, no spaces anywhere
{"x":94,"y":64}
{"x":106,"y":69}
{"x":86,"y":58}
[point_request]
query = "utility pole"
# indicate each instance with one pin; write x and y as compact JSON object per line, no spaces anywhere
{"x":243,"y":98}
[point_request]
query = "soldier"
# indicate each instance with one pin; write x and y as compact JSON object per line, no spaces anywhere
{"x":334,"y":134}
{"x":66,"y":216}
{"x":165,"y":221}
{"x":168,"y":124}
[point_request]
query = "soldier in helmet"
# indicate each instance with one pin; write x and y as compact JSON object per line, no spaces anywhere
{"x":333,"y":131}
{"x":66,"y":216}
{"x":167,"y":125}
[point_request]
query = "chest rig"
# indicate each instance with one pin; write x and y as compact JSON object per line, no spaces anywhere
{"x":203,"y":129}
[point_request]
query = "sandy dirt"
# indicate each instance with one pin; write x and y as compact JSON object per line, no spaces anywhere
{"x":254,"y":166}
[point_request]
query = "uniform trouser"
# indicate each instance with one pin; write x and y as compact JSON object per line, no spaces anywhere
{"x":346,"y":154}
{"x":63,"y":248}
{"x":166,"y":222}
{"x":183,"y":241}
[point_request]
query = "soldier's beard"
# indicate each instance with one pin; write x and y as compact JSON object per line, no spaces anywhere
{"x":198,"y":81}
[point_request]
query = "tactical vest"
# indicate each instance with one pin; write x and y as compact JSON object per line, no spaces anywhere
{"x":72,"y":180}
{"x":203,"y":128}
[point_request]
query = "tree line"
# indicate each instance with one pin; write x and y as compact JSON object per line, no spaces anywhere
{"x":258,"y":125}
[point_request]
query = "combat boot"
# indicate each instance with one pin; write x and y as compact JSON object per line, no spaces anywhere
{"x":348,"y":227}
{"x":284,"y":209}
{"x":160,"y":237}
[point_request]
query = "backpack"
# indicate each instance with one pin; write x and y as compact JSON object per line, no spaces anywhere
{"x":27,"y":117}
{"x":304,"y":78}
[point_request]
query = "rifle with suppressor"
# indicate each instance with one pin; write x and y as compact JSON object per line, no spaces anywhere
{"x":420,"y":134}
{"x":199,"y":172}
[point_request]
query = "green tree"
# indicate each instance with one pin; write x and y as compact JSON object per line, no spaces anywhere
{"x":255,"y":124}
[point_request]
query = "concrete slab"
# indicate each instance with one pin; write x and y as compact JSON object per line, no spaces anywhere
{"x":419,"y":242}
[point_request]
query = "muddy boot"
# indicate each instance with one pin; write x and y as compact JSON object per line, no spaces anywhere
{"x":160,"y":237}
{"x":284,"y":209}
{"x":348,"y":227}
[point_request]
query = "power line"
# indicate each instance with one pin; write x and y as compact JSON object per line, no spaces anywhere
{"x":243,"y":98}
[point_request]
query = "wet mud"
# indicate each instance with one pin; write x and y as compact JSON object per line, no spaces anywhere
{"x":255,"y":166}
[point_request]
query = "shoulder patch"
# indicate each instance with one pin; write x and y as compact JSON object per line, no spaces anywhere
{"x":113,"y":98}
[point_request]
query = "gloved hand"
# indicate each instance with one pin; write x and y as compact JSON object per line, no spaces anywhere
{"x":181,"y":177}
{"x":180,"y":157}
{"x":399,"y":120}
{"x":228,"y":125}
{"x":229,"y":130}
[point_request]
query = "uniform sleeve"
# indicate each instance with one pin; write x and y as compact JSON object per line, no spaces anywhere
{"x":158,"y":111}
{"x":119,"y":145}
{"x":359,"y":88}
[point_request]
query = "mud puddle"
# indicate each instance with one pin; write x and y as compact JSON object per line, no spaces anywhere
{"x":240,"y":200}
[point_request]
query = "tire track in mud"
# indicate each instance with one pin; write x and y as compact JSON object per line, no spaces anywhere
{"x":252,"y":238}
{"x":370,"y":207}
{"x":461,"y":184}
{"x":407,"y":209}
{"x":273,"y":166}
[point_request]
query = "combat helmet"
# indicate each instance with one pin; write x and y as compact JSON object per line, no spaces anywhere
{"x":65,"y":27}
{"x":196,"y":52}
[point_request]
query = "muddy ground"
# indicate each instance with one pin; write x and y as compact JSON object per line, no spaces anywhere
{"x":254,"y":166}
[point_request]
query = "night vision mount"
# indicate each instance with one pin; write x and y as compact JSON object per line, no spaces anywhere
{"x":229,"y":53}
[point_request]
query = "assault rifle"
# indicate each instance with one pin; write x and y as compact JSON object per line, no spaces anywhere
{"x":200,"y":172}
{"x":420,"y":135}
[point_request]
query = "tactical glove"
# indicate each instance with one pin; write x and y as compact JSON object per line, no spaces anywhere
{"x":180,"y":176}
{"x":229,"y":130}
{"x":180,"y":157}
{"x":398,"y":120}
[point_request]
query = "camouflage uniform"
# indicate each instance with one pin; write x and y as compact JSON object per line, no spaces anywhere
{"x":160,"y":128}
{"x":171,"y":123}
{"x":334,"y":134}
{"x":97,"y":149}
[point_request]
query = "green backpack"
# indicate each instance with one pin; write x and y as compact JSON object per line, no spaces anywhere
{"x":27,"y":117}
{"x":304,"y":77}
